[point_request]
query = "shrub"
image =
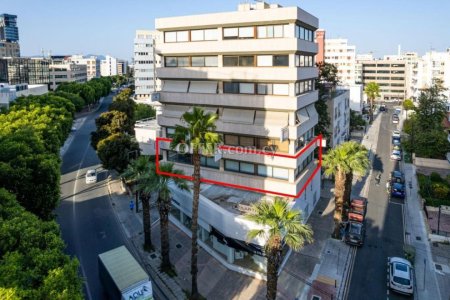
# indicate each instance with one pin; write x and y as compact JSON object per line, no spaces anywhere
{"x":435,"y":177}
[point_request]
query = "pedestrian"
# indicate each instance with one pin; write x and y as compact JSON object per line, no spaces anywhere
{"x":131,"y":205}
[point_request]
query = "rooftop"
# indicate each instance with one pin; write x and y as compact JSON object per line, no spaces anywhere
{"x":150,"y":123}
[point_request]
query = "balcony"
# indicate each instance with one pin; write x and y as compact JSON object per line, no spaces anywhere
{"x":267,"y":74}
{"x":239,"y":100}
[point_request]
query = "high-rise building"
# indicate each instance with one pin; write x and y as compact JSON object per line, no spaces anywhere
{"x":339,"y":53}
{"x":122,"y":66}
{"x":62,"y":69}
{"x":9,"y":36}
{"x":429,"y":68}
{"x":389,"y":74}
{"x":108,"y":66}
{"x":255,"y":69}
{"x":8,"y":28}
{"x":145,"y":62}
{"x":25,"y":70}
{"x":92,"y":64}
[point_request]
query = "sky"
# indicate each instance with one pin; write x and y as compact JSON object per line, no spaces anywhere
{"x":108,"y":26}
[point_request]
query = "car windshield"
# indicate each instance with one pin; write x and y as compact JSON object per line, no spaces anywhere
{"x":354,"y":229}
{"x":402,"y":281}
{"x":91,"y":173}
{"x":398,"y":187}
{"x":397,"y":174}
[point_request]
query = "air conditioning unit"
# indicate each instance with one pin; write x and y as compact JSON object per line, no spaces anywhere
{"x":156,"y":96}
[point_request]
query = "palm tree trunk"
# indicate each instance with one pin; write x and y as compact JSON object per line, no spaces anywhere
{"x":371,"y":110}
{"x":273,"y":263}
{"x":164,"y":209}
{"x":194,"y":225}
{"x":339,"y":190}
{"x":147,"y":225}
{"x":137,"y":201}
{"x":347,"y":192}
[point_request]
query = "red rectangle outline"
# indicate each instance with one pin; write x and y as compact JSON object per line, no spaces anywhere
{"x":242,"y":187}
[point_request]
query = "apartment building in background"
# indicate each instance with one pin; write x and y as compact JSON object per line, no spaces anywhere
{"x":27,"y":70}
{"x":320,"y":40}
{"x":254,"y":68}
{"x":431,"y":66}
{"x":9,"y":36}
{"x":108,"y":66}
{"x":338,"y":107}
{"x":62,"y":69}
{"x":122,"y":66}
{"x":389,"y":74}
{"x":339,"y":53}
{"x":145,"y":63}
{"x":91,"y":62}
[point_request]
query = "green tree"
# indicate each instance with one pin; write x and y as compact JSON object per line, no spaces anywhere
{"x":161,"y":185}
{"x":109,"y":123}
{"x":279,"y":225}
{"x":114,"y":151}
{"x":32,"y":260}
{"x":372,"y":91}
{"x":341,"y":162}
{"x":356,"y":120}
{"x":408,"y":104}
{"x":199,"y":133}
{"x":76,"y":100}
{"x":144,"y":111}
{"x":139,"y":171}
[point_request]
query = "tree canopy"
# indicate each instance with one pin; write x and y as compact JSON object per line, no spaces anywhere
{"x":115,"y":149}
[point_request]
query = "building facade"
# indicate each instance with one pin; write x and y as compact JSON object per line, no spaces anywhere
{"x":25,"y":70}
{"x":62,"y":69}
{"x":92,"y":64}
{"x":338,"y":107}
{"x":122,"y":67}
{"x":339,"y":53}
{"x":145,"y":63}
{"x":431,"y":67}
{"x":255,"y":69}
{"x":108,"y":66}
{"x":9,"y":49}
{"x":320,"y":40}
{"x":9,"y":36}
{"x":389,"y":74}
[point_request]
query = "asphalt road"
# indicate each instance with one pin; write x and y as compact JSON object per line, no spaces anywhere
{"x":385,"y":226}
{"x":88,"y":223}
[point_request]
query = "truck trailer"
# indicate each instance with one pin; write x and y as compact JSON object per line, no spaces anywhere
{"x":122,"y":277}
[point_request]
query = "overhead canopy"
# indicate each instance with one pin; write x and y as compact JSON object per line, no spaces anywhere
{"x":205,"y":87}
{"x":302,"y":115}
{"x":175,"y":86}
{"x":271,"y":118}
{"x":311,"y":110}
{"x":174,"y":110}
{"x":241,"y":116}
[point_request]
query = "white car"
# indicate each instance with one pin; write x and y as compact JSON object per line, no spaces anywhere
{"x":91,"y":176}
{"x":396,"y":155}
{"x":400,"y":275}
{"x":396,"y":134}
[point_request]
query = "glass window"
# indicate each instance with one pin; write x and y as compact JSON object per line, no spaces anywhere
{"x":247,"y":168}
{"x":302,"y":33}
{"x":270,"y":31}
{"x":230,"y":61}
{"x":211,"y":61}
{"x":246,"y":141}
{"x":278,"y":31}
{"x":261,"y":32}
{"x":264,"y":89}
{"x":246,"y":88}
{"x":230,"y":32}
{"x":281,"y":89}
{"x":197,"y":35}
{"x":280,"y":173}
{"x":210,"y":162}
{"x":297,"y":60}
{"x":231,"y":165}
{"x":170,"y":131}
{"x":183,"y":61}
{"x":264,"y":61}
{"x":170,"y":37}
{"x":281,"y":60}
{"x":246,"y":32}
{"x":170,"y":61}
{"x":182,"y":36}
{"x":246,"y":61}
{"x":198,"y":61}
{"x":231,"y":87}
{"x":265,"y":171}
{"x":232,"y":140}
{"x":211,"y":34}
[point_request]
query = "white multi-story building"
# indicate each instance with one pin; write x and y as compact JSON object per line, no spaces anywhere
{"x":145,"y":63}
{"x":255,"y":69}
{"x":338,"y":107}
{"x":339,"y":53}
{"x":108,"y":66}
{"x":92,"y":64}
{"x":433,"y":65}
{"x":62,"y":69}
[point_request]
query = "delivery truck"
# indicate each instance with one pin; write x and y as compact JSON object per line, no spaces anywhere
{"x":122,"y":277}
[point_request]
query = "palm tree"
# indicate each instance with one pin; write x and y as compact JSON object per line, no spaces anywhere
{"x":199,"y":133}
{"x":342,"y":162}
{"x":161,"y":184}
{"x":372,"y":91}
{"x":280,"y":225}
{"x":358,"y":162}
{"x":139,"y":170}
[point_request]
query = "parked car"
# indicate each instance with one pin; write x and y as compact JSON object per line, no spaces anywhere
{"x":397,"y":190}
{"x":396,"y":141}
{"x":354,"y":233}
{"x":398,"y":110}
{"x":396,"y":155}
{"x":395,"y":119}
{"x":91,"y":176}
{"x":396,"y":134}
{"x":382,"y":107}
{"x":401,"y":278}
{"x":397,"y":176}
{"x":357,"y":210}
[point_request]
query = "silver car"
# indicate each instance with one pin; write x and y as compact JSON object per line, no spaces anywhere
{"x":400,"y":275}
{"x":91,"y":176}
